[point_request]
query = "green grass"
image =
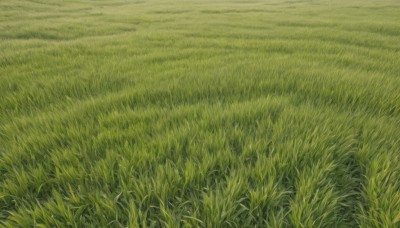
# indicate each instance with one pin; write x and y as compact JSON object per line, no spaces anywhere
{"x":200,"y":113}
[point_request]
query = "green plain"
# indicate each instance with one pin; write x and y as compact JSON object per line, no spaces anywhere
{"x":184,"y":113}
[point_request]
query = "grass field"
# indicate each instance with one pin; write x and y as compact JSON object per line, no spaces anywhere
{"x":240,"y":113}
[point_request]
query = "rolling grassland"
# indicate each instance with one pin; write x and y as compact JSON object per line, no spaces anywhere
{"x":184,"y":113}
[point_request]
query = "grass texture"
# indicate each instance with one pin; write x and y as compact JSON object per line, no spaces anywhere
{"x":184,"y":113}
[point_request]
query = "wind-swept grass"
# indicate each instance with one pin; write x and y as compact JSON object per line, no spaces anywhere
{"x":200,"y":113}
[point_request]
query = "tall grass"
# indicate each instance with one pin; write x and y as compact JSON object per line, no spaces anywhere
{"x":200,"y":113}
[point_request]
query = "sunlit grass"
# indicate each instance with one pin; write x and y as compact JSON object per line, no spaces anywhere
{"x":200,"y":113}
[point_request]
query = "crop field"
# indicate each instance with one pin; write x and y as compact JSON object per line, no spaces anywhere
{"x":200,"y":113}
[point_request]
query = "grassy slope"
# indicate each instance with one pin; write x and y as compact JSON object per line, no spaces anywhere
{"x":202,"y":113}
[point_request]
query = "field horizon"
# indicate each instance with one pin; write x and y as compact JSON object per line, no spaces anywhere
{"x":227,"y":113}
